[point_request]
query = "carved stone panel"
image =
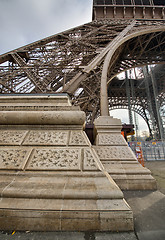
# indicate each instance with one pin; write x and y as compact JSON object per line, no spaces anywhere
{"x":55,"y":159}
{"x":78,"y":138}
{"x":89,"y":162}
{"x":116,"y":153}
{"x":111,"y":139}
{"x":47,"y":137}
{"x":12,"y":137}
{"x":13,"y":158}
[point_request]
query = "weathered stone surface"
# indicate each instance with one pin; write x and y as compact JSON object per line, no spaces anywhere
{"x":77,"y":138}
{"x":12,"y":137}
{"x":13,"y":158}
{"x":63,"y":202}
{"x":47,"y":137}
{"x":42,"y":118}
{"x":118,"y":159}
{"x":55,"y":159}
{"x":40,"y":220}
{"x":89,"y":160}
{"x":32,"y":102}
{"x":108,"y":124}
{"x":115,"y":152}
{"x":111,"y":139}
{"x":51,"y":179}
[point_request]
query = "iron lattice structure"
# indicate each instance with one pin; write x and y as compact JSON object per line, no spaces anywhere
{"x":72,"y":62}
{"x":141,"y":97}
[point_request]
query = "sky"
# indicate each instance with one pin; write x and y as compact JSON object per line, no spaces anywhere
{"x":25,"y":21}
{"x":123,"y":115}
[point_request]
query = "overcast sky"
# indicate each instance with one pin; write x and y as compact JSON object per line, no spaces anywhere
{"x":26,"y":21}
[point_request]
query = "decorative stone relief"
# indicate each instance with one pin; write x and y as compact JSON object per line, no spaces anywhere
{"x":55,"y":159}
{"x":12,"y":137}
{"x":48,"y":137}
{"x":107,"y":152}
{"x":111,"y":139}
{"x":77,"y":138}
{"x":89,"y":162}
{"x":13,"y":158}
{"x":126,"y":152}
{"x":112,"y":152}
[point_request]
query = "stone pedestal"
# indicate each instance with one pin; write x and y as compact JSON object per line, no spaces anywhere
{"x":51,"y":179}
{"x":118,"y":159}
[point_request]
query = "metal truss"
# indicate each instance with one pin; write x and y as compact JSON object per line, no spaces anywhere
{"x":141,"y":97}
{"x":72,"y":61}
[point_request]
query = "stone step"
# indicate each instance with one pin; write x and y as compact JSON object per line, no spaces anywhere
{"x":59,"y":187}
{"x":39,"y":201}
{"x":65,"y":215}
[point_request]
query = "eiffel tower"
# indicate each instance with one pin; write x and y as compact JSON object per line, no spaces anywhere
{"x":52,"y":178}
{"x":85,"y":61}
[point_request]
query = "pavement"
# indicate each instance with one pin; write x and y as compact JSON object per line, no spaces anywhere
{"x":149,"y":216}
{"x":158,"y":172}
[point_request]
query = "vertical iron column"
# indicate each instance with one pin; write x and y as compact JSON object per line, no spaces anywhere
{"x":129,"y":101}
{"x":155,"y":91}
{"x":128,"y":97}
{"x":133,"y":103}
{"x":147,"y":87}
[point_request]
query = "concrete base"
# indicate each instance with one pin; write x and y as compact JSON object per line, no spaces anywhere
{"x":68,"y":235}
{"x":62,"y":202}
{"x":51,"y":179}
{"x":130,"y":175}
{"x":149,"y":217}
{"x":118,"y":159}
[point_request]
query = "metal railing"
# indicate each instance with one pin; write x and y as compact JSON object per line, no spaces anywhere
{"x":152,"y":151}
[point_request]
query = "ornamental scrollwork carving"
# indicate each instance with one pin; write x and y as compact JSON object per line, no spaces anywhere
{"x":47,"y":137}
{"x":55,"y":159}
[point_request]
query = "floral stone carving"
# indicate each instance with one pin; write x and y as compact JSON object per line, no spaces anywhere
{"x":12,"y":137}
{"x":111,"y":139}
{"x":77,"y":138}
{"x":13,"y":158}
{"x":48,"y":137}
{"x":89,"y":162}
{"x":111,"y":152}
{"x":55,"y":159}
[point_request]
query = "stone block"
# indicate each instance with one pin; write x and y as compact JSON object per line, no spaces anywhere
{"x":14,"y":157}
{"x":51,"y":178}
{"x":55,"y":159}
{"x":12,"y":137}
{"x":118,"y":159}
{"x":78,"y":138}
{"x":46,"y":137}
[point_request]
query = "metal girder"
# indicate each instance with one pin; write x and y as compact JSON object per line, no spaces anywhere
{"x":73,"y":60}
{"x":142,"y":101}
{"x":33,"y":77}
